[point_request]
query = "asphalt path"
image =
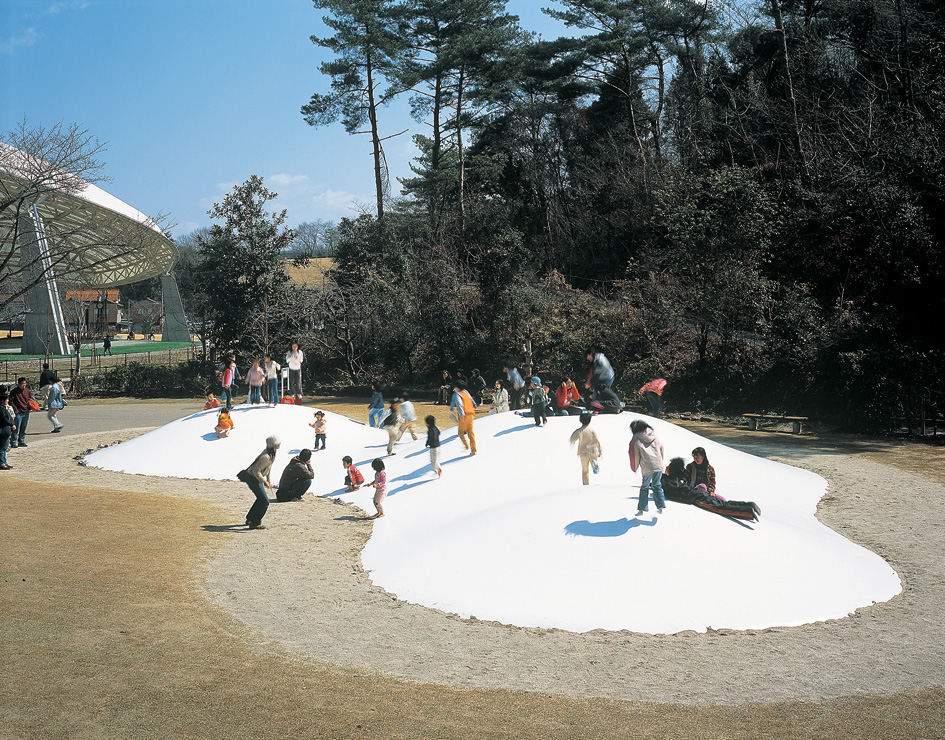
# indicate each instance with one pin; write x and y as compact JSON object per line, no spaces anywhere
{"x":82,"y":417}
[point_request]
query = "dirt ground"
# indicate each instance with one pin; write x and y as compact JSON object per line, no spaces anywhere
{"x":107,"y":633}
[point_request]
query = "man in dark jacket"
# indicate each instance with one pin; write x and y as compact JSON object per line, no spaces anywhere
{"x":676,"y":488}
{"x":20,"y":398}
{"x":297,"y":477}
{"x":477,"y":384}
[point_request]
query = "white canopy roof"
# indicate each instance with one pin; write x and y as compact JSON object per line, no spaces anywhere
{"x":93,"y":237}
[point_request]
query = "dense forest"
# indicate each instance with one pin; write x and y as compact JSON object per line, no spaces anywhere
{"x":744,"y":199}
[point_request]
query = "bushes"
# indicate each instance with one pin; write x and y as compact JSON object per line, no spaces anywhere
{"x":191,"y":378}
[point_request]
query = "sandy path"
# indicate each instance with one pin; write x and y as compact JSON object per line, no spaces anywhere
{"x":298,"y":590}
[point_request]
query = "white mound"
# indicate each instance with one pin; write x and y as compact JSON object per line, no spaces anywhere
{"x":511,"y":534}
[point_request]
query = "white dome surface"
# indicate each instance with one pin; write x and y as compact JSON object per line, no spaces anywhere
{"x":511,"y":535}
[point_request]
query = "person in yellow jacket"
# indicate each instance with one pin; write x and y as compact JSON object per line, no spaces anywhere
{"x":588,"y":446}
{"x":463,"y":405}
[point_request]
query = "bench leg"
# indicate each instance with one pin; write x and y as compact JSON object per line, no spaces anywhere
{"x":752,"y":425}
{"x":797,"y":427}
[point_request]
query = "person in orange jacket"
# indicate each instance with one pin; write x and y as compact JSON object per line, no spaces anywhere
{"x":464,"y":407}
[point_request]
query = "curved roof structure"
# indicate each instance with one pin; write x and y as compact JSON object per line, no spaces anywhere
{"x":92,"y":237}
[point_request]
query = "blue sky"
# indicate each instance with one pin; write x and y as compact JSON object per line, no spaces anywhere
{"x":194,"y":96}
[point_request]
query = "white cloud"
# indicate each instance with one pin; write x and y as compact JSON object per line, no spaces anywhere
{"x":337,"y":199}
{"x":57,"y":8}
{"x":302,"y":200}
{"x":286,"y":181}
{"x":226,"y":187}
{"x":27,"y":37}
{"x":186,"y":227}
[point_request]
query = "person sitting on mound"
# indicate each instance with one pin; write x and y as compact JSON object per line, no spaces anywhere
{"x":700,"y":472}
{"x":676,"y":487}
{"x":608,"y":402}
{"x":224,"y":424}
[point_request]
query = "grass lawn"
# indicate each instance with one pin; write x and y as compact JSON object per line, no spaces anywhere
{"x":121,"y":347}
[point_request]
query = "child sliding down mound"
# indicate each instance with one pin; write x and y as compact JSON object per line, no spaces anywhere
{"x":677,"y":487}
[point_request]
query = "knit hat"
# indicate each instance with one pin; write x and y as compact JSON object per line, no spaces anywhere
{"x":273,"y":441}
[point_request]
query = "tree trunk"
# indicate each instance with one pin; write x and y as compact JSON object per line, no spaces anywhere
{"x":375,"y":137}
{"x":779,"y":27}
{"x":461,"y":152}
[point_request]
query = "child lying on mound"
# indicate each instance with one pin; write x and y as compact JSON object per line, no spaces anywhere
{"x":676,"y":487}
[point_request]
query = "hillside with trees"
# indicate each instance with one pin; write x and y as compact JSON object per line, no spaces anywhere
{"x":744,"y":199}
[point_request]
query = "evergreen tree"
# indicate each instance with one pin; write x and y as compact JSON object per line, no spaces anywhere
{"x":457,"y":74}
{"x":367,"y":45}
{"x":241,"y":266}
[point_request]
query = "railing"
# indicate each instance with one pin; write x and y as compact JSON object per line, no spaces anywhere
{"x":30,"y":369}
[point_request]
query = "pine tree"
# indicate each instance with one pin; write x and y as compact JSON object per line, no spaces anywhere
{"x":367,"y":47}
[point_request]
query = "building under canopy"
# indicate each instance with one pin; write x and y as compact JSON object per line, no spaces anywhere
{"x":57,"y":226}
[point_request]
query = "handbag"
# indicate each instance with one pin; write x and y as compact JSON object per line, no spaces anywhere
{"x":32,"y":404}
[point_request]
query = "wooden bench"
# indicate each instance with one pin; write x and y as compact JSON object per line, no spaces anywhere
{"x":796,"y":421}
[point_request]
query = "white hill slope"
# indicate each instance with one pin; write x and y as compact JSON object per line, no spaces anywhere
{"x":511,"y":534}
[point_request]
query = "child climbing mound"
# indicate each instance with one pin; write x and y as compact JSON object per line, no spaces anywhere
{"x":588,"y":446}
{"x":379,"y":484}
{"x":353,"y":477}
{"x":321,"y":428}
{"x":224,"y":424}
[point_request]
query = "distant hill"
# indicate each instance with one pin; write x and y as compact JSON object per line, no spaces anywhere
{"x":311,"y":274}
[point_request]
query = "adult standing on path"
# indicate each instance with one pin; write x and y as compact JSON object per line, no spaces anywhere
{"x":106,"y":345}
{"x":20,"y":399}
{"x":465,"y":408}
{"x":294,"y":359}
{"x":256,"y":476}
{"x":653,"y":391}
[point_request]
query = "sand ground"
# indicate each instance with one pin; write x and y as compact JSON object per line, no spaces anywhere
{"x":135,"y":607}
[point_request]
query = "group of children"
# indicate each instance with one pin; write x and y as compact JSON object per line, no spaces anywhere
{"x":354,"y":478}
{"x":692,"y":484}
{"x":689,"y":484}
{"x":262,"y":379}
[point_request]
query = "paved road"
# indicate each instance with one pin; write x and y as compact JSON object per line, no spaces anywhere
{"x":89,"y":416}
